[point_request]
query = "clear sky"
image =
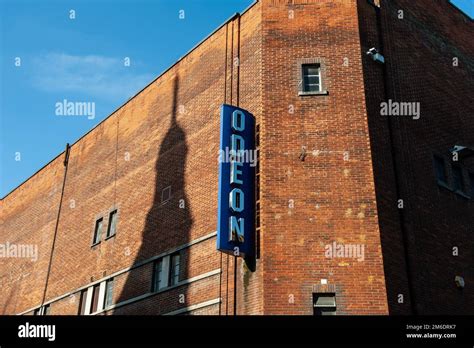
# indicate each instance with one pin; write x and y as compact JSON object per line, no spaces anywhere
{"x":82,"y":59}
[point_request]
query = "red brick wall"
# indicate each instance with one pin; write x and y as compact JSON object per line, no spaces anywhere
{"x":167,"y":135}
{"x":333,"y":199}
{"x":419,"y":51}
{"x":344,"y":191}
{"x":29,"y":217}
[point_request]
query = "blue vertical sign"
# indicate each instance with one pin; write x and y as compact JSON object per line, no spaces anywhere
{"x":236,"y":201}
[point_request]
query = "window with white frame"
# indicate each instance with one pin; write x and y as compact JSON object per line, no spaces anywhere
{"x":166,"y":271}
{"x":96,"y":298}
{"x":311,"y":74}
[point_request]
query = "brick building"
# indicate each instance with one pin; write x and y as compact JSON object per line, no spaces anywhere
{"x":125,"y":218}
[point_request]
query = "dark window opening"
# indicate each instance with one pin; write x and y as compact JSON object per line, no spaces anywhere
{"x":47,"y":309}
{"x":324,"y":304}
{"x":458,"y":182}
{"x":174,"y":269}
{"x":82,"y":303}
{"x":440,"y":169}
{"x":98,"y":231}
{"x":112,"y":229}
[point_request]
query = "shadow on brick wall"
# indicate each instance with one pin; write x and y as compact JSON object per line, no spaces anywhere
{"x":168,"y":224}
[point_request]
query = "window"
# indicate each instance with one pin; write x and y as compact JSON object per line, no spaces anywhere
{"x":97,"y":231}
{"x":166,"y":194}
{"x":458,"y":179}
{"x":95,"y":298}
{"x":47,"y":309}
{"x":174,"y":269}
{"x":109,"y":292}
{"x":166,"y":271}
{"x":324,"y":304}
{"x":440,"y":170}
{"x":82,"y":303}
{"x":112,"y":229}
{"x":158,"y":273}
{"x":311,"y":78}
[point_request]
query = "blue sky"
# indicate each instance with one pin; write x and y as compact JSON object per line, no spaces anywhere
{"x":82,"y":59}
{"x":467,"y":6}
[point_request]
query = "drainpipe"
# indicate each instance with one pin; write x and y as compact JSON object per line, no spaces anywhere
{"x":66,"y":162}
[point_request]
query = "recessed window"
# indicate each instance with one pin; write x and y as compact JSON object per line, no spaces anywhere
{"x":98,"y":231}
{"x":166,"y":194}
{"x":324,"y":304}
{"x":174,"y":269}
{"x":95,"y":298}
{"x":458,"y":183}
{"x":311,"y":77}
{"x":83,"y":302}
{"x":47,"y":309}
{"x":112,"y":229}
{"x":109,"y":292}
{"x":158,"y":275}
{"x":166,"y":271}
{"x":440,"y":170}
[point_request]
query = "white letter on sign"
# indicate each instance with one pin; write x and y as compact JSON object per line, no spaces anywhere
{"x":236,"y":200}
{"x":238,"y":121}
{"x":235,"y":171}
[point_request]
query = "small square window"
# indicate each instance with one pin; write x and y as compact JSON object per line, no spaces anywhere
{"x":324,"y":304}
{"x":112,"y":229}
{"x":166,"y":194}
{"x":98,"y":231}
{"x":311,"y":74}
{"x":440,"y":170}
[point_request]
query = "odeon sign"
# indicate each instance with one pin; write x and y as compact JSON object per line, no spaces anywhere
{"x":236,"y":201}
